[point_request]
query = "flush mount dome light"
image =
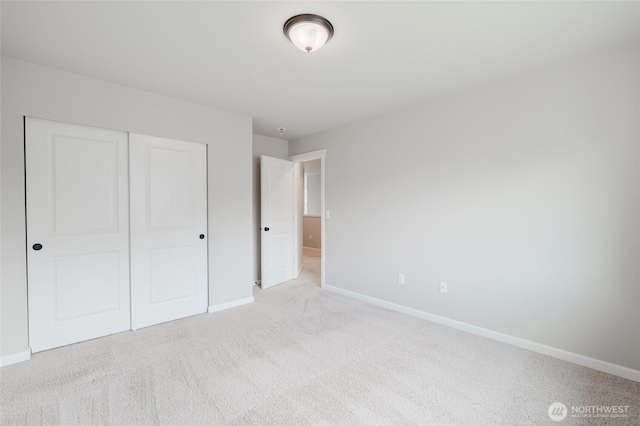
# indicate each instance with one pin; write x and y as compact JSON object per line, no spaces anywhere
{"x":308,"y":32}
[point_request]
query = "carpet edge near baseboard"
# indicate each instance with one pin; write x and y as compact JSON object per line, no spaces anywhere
{"x":582,"y":360}
{"x":229,"y":305}
{"x":15,"y":358}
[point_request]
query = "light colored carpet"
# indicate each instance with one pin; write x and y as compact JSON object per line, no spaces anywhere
{"x":300,"y":355}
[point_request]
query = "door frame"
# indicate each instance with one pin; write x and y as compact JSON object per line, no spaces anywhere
{"x":299,"y":158}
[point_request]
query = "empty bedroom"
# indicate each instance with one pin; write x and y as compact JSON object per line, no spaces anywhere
{"x":320,"y":213}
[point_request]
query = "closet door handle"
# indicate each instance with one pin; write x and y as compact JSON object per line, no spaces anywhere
{"x":37,"y":246}
{"x":266,"y":229}
{"x":202,"y":236}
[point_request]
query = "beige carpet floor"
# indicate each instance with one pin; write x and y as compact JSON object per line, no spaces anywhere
{"x":302,"y":356}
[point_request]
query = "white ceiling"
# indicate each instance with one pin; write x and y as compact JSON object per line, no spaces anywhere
{"x":234,"y":56}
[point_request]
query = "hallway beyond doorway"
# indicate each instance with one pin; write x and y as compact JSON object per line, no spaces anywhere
{"x":310,"y":266}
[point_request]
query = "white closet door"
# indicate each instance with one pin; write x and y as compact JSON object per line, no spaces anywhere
{"x":77,"y":233}
{"x":168,"y":229}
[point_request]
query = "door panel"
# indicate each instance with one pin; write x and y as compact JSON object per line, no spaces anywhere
{"x":171,"y":185}
{"x":168,"y":216}
{"x":169,"y":266}
{"x":276,"y":177}
{"x":77,"y":210}
{"x":95,"y":195}
{"x":92,"y":278}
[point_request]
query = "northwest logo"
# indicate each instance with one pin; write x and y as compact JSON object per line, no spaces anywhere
{"x":557,"y":411}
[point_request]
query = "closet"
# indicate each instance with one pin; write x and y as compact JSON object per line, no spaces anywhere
{"x":116,"y":231}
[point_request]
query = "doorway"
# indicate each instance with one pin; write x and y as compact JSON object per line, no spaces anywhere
{"x":310,"y":205}
{"x":282,"y":215}
{"x":311,"y":213}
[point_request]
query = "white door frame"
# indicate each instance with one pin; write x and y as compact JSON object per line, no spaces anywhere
{"x":308,"y":156}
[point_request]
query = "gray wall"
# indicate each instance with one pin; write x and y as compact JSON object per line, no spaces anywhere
{"x":522,"y":194}
{"x":272,"y":147}
{"x":314,"y":199}
{"x":31,"y":90}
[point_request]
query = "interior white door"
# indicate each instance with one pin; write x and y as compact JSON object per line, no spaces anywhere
{"x":77,"y":233}
{"x":168,"y":229}
{"x":276,"y":185}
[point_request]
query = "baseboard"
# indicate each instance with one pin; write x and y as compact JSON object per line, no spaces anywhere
{"x":229,"y":305}
{"x":595,"y":364}
{"x":311,"y":248}
{"x":15,"y":358}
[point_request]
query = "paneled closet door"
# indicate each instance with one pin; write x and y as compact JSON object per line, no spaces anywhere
{"x":77,"y":233}
{"x":168,"y":229}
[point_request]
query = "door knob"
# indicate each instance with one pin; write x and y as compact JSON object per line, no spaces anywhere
{"x":202,"y":236}
{"x":266,"y":229}
{"x":37,"y":246}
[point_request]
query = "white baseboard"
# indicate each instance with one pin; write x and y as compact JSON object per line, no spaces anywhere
{"x":311,"y":248}
{"x":595,"y":364}
{"x":15,"y":358}
{"x":229,"y":305}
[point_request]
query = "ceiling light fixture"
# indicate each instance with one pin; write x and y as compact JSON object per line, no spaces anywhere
{"x":308,"y":32}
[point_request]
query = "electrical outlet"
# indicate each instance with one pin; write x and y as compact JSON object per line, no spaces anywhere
{"x":443,"y":287}
{"x":400,"y":278}
{"x":310,"y":237}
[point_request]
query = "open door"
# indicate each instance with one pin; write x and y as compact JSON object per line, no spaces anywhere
{"x":276,"y":181}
